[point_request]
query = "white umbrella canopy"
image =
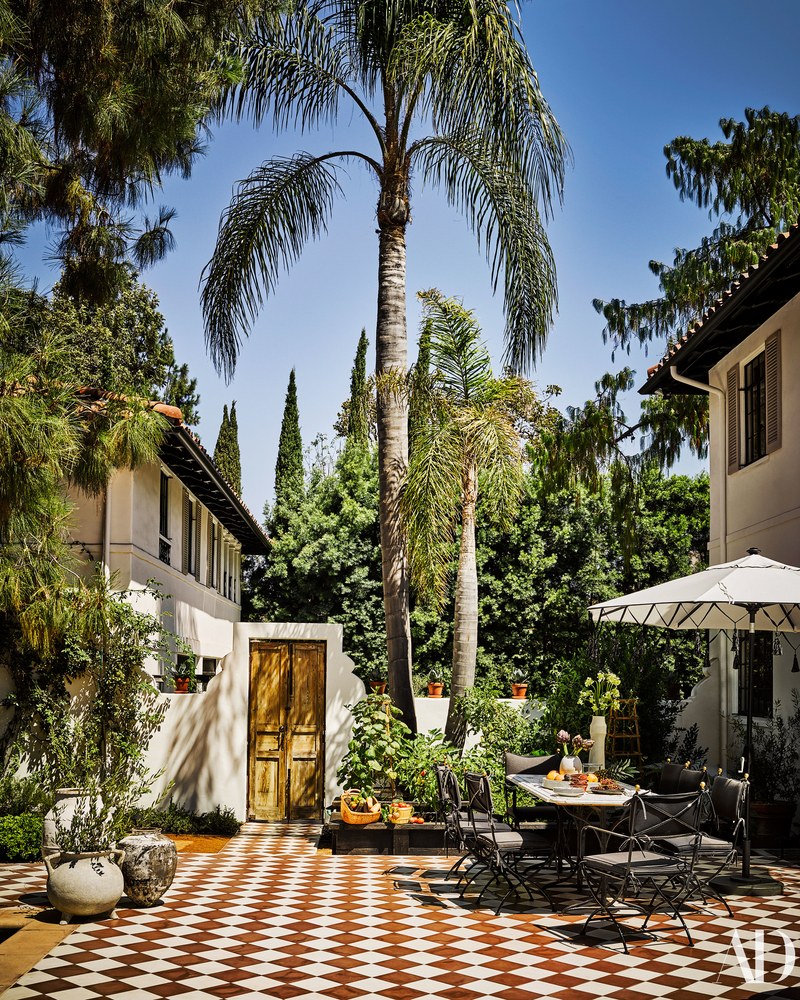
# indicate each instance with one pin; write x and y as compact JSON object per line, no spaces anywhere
{"x":721,"y":597}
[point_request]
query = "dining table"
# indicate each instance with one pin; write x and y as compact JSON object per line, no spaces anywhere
{"x":599,"y":809}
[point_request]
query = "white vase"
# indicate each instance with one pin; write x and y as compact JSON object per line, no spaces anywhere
{"x":571,"y":764}
{"x":597,"y":732}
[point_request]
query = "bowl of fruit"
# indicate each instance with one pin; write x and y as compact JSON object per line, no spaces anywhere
{"x":359,"y":808}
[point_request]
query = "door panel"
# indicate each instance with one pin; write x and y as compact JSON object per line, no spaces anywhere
{"x":287,"y":720}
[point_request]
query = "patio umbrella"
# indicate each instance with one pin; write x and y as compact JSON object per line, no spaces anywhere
{"x":753,"y":592}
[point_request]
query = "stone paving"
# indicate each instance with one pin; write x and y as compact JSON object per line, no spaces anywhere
{"x":271,"y":916}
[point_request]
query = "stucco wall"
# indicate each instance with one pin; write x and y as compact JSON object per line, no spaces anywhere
{"x":202,"y":745}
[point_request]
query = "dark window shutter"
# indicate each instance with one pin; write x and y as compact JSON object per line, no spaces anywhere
{"x":186,"y":534}
{"x":772,"y":351}
{"x":210,"y":542}
{"x":733,"y":419}
{"x":198,"y":530}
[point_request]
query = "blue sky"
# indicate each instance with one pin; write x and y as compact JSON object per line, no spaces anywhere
{"x":623,"y":77}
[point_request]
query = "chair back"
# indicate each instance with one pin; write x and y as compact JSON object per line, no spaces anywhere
{"x":728,"y":798}
{"x":670,"y":775}
{"x":479,"y":798}
{"x":449,"y":803}
{"x":519,"y":764}
{"x":689,"y":780}
{"x":667,"y":816}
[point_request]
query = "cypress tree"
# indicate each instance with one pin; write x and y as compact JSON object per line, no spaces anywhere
{"x":226,"y":451}
{"x":289,"y":483}
{"x":358,"y":410}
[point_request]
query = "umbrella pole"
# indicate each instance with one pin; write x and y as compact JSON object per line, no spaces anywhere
{"x":748,"y":741}
{"x":747,"y":884}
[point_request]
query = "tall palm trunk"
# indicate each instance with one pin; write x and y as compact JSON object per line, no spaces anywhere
{"x":465,"y":625}
{"x":391,"y":366}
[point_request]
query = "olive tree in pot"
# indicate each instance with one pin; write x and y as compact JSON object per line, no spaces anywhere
{"x":775,"y":774}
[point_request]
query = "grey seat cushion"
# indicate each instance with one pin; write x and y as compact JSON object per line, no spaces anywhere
{"x":641,"y":863}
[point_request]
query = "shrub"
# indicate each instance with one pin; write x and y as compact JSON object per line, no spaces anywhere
{"x":220,"y":821}
{"x":178,"y":819}
{"x":20,"y":838}
{"x":23,"y":795}
{"x":379,"y":744}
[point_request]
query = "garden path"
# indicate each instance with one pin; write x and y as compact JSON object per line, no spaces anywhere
{"x":270,"y":916}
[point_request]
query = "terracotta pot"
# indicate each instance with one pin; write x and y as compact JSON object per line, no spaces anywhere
{"x":84,"y":885}
{"x":151,"y":860}
{"x":181,"y":685}
{"x":378,"y":687}
{"x":435,"y":689}
{"x":771,"y":823}
{"x":519,"y":691}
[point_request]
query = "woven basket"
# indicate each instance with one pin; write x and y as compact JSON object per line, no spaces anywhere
{"x":356,"y":818}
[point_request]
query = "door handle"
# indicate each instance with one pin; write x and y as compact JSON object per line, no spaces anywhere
{"x":281,"y":736}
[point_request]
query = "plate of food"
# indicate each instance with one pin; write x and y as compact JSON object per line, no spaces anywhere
{"x":601,"y":789}
{"x":565,"y":788}
{"x":555,"y":783}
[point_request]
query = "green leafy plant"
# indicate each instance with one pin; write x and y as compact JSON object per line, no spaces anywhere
{"x":20,"y":837}
{"x":23,"y":796}
{"x":519,"y":676}
{"x":416,"y":774}
{"x":775,"y":754}
{"x":94,"y":826}
{"x":380,"y":741}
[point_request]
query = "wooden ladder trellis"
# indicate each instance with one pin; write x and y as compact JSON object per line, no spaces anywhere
{"x":623,"y":739}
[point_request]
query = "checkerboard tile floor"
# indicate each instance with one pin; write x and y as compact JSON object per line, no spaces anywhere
{"x":270,"y":916}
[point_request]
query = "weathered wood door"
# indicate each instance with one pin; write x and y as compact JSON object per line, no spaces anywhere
{"x":287,"y":730}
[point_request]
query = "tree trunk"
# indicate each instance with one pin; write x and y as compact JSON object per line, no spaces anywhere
{"x":465,"y":624}
{"x":391,"y":367}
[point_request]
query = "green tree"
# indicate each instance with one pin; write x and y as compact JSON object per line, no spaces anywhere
{"x":325,"y":564}
{"x":289,"y":478}
{"x":446,"y":91}
{"x":120,"y":346}
{"x":98,"y":102}
{"x":468,"y":444}
{"x":358,"y":411}
{"x":750,"y":185}
{"x":227,"y":457}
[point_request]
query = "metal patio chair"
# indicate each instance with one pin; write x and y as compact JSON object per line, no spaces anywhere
{"x":520,"y":764}
{"x":501,"y":849}
{"x":637,"y":877}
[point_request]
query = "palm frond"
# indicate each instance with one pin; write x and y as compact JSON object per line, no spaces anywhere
{"x":472,"y":67}
{"x":492,"y":442}
{"x":156,"y":241}
{"x":462,"y":361}
{"x":502,"y":212}
{"x":295,"y":70}
{"x":430,"y":505}
{"x":280,"y":206}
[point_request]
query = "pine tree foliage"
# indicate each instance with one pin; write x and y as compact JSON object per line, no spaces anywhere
{"x":750,"y":184}
{"x":359,"y":403}
{"x":227,"y":457}
{"x":289,"y":478}
{"x":99,"y":101}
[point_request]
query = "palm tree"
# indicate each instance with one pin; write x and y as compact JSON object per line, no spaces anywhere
{"x":463,"y":438}
{"x":447,"y":91}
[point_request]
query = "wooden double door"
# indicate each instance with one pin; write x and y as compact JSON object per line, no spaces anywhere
{"x":287,"y":730}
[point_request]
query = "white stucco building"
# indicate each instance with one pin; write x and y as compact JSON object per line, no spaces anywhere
{"x":742,"y":353}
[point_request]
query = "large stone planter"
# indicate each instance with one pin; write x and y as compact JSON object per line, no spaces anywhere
{"x":84,"y":885}
{"x":151,"y":860}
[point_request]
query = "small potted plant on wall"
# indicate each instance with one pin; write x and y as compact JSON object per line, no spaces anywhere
{"x":519,"y":684}
{"x":435,"y":683}
{"x":184,"y":677}
{"x":378,"y":677}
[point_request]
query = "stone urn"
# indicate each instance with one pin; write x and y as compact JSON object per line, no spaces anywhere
{"x":151,"y":860}
{"x":84,"y":885}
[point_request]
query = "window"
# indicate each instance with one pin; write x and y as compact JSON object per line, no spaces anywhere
{"x":755,"y":410}
{"x":762,"y":674}
{"x":164,"y":547}
{"x":211,"y":556}
{"x":188,"y":539}
{"x":754,"y":406}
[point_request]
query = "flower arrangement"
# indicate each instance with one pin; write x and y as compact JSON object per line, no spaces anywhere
{"x":601,"y":692}
{"x":578,"y":743}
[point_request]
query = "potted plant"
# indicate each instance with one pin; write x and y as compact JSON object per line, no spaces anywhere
{"x":84,"y":878}
{"x":380,"y":739}
{"x":519,"y":684}
{"x":774,"y":773}
{"x":378,"y":678}
{"x":183,"y":673}
{"x":435,"y":683}
{"x":601,"y":694}
{"x":571,"y":762}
